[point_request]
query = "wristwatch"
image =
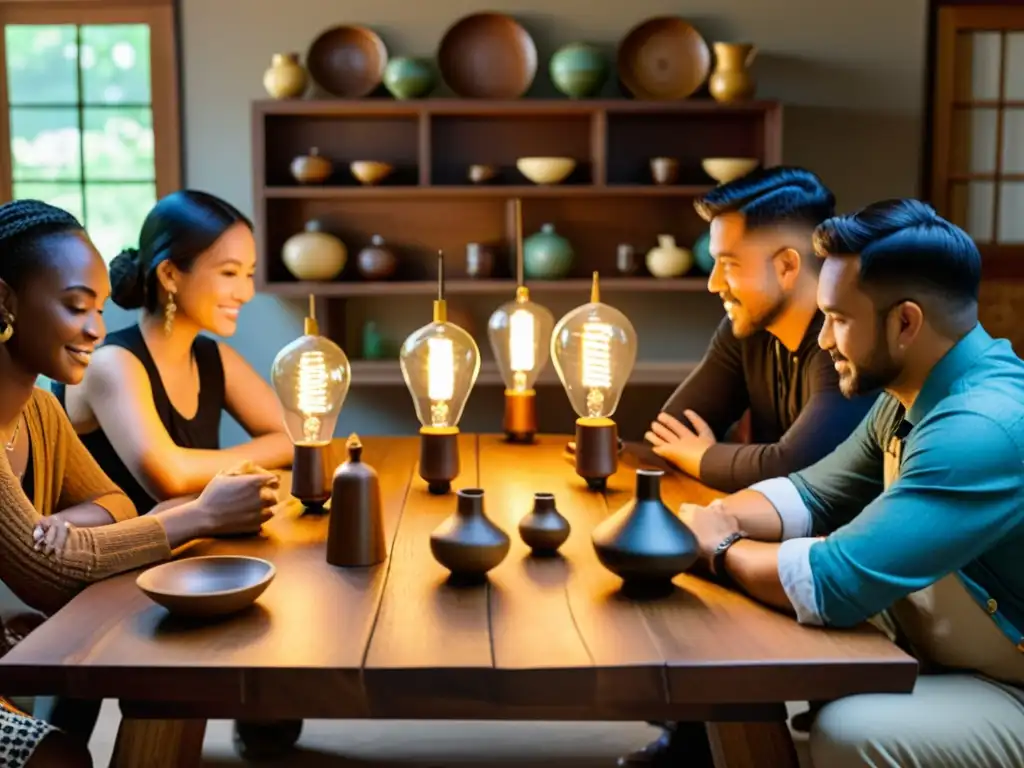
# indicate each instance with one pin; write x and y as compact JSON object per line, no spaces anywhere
{"x":718,"y":557}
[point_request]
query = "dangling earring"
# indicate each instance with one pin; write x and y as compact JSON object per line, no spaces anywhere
{"x":8,"y":329}
{"x":169,"y":309}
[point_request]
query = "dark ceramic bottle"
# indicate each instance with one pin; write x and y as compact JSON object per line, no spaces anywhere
{"x":543,"y":528}
{"x":468,"y":544}
{"x":355,"y":534}
{"x":645,"y":542}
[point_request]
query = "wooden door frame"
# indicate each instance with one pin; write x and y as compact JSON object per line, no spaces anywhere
{"x":165,"y":79}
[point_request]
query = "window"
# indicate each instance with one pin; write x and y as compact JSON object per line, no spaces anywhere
{"x":90,"y":120}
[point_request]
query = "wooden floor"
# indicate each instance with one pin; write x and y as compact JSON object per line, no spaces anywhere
{"x":375,"y":744}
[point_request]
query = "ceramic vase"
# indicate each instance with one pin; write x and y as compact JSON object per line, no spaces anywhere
{"x":286,"y":78}
{"x":645,"y":542}
{"x":409,"y":78}
{"x":312,"y":168}
{"x":479,"y":261}
{"x":314,"y":254}
{"x":731,"y":80}
{"x":355,"y":534}
{"x":546,"y":255}
{"x":543,"y":529}
{"x":702,"y":254}
{"x":667,"y":259}
{"x":468,"y":544}
{"x":376,"y":261}
{"x":578,"y":70}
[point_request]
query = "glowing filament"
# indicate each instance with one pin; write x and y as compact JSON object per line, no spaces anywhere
{"x":596,"y":364}
{"x":440,"y":379}
{"x":521,"y":346}
{"x":313,"y":383}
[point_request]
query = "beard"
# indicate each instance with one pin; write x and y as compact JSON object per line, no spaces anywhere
{"x":745,"y":323}
{"x":879,"y":371}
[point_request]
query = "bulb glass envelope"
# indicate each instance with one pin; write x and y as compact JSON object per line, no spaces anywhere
{"x":440,"y":364}
{"x":311,"y":376}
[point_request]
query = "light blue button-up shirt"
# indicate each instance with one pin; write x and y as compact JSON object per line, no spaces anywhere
{"x":956,"y":506}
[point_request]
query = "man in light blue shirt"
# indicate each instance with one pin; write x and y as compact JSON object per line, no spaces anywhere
{"x":918,"y":518}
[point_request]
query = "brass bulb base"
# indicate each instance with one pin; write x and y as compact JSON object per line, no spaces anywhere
{"x":597,"y":451}
{"x":312,"y":473}
{"x":520,"y":423}
{"x":439,"y":458}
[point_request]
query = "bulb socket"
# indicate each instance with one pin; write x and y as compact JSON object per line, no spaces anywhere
{"x":312,"y":473}
{"x":520,"y":422}
{"x":439,"y":458}
{"x":597,"y":451}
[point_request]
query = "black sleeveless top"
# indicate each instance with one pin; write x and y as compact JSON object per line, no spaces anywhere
{"x":202,"y":431}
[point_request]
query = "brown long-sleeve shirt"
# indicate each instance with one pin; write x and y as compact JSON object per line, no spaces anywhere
{"x":65,"y":475}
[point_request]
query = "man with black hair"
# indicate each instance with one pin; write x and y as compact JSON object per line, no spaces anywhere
{"x":918,"y":517}
{"x":764,"y":357}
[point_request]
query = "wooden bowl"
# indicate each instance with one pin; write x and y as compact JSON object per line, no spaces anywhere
{"x":545,"y":170}
{"x":663,"y":58}
{"x":487,"y":56}
{"x":347,"y":61}
{"x":371,"y":171}
{"x":207,"y":586}
{"x":726,"y":169}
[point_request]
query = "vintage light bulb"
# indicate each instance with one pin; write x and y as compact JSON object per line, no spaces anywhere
{"x":440,"y":364}
{"x":594,"y":351}
{"x":311,"y":376}
{"x":520,"y":333}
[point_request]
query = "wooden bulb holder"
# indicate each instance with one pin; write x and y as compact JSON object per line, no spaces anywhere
{"x":312,"y":475}
{"x":597,"y":451}
{"x":439,"y":458}
{"x":520,"y":422}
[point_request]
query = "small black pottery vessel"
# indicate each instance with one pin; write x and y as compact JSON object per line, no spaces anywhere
{"x":543,"y":528}
{"x":644,"y":542}
{"x":468,"y":544}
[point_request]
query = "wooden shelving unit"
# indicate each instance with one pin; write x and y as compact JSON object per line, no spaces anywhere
{"x":428,"y":204}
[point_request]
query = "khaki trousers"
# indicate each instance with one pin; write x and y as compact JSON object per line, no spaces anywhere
{"x":948,"y":721}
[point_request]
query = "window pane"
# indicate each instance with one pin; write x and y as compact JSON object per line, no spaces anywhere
{"x":45,"y":143}
{"x":119,"y":144}
{"x":115,"y":64}
{"x":1013,"y":140}
{"x":972,"y":208}
{"x":980,"y":79}
{"x":974,"y":140}
{"x":114,"y":214}
{"x":1014,"y":66}
{"x":62,"y":195}
{"x":42,"y":63}
{"x":1011,"y":206}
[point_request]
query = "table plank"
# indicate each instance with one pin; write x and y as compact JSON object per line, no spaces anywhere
{"x":309,"y":628}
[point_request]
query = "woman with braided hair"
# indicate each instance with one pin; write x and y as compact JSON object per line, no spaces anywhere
{"x":63,"y":523}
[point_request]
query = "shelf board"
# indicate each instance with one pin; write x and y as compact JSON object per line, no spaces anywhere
{"x":388,"y":372}
{"x":375,"y":107}
{"x":342,"y":289}
{"x":320,"y":192}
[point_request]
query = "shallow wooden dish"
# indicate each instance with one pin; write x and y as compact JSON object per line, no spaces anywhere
{"x":663,"y":58}
{"x":487,"y":56}
{"x":726,"y":169}
{"x":207,"y":586}
{"x":347,"y":61}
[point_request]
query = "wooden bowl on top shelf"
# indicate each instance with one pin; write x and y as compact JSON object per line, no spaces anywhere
{"x":370,"y":172}
{"x":487,"y":56}
{"x":663,"y":58}
{"x":726,"y":169}
{"x":546,"y":170}
{"x":347,"y":61}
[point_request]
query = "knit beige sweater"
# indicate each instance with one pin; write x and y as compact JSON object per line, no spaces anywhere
{"x":65,"y":475}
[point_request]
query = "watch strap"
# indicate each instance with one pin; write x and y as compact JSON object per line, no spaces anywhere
{"x":718,"y":558}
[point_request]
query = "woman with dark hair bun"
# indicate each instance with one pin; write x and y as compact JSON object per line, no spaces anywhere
{"x":150,"y":407}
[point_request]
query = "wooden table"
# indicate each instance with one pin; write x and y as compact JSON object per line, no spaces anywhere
{"x":548,"y":639}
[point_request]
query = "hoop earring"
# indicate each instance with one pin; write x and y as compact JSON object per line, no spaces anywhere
{"x":169,"y":309}
{"x":7,"y":332}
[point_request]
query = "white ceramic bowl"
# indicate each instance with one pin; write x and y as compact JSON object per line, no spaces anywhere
{"x":545,"y":170}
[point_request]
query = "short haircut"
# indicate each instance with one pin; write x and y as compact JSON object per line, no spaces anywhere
{"x":24,"y":224}
{"x":771,"y":196}
{"x":906,"y":247}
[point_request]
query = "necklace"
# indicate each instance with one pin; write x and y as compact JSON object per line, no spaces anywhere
{"x":14,"y":437}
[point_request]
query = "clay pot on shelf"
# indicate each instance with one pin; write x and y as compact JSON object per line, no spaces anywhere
{"x":312,"y":168}
{"x":578,"y":70}
{"x":543,"y":529}
{"x":376,"y":261}
{"x":645,"y":543}
{"x":547,"y":255}
{"x":468,"y":544}
{"x":409,"y":78}
{"x":731,"y":79}
{"x":667,"y":259}
{"x":479,"y":173}
{"x":664,"y":170}
{"x":286,"y":78}
{"x":314,"y":254}
{"x":479,"y":261}
{"x":625,"y":259}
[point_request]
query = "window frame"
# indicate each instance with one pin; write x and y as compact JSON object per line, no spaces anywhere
{"x":165,"y":101}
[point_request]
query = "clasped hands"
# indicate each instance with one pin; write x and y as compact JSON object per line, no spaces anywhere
{"x":678,"y":444}
{"x":711,"y":525}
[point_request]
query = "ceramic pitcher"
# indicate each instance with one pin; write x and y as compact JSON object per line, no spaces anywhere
{"x":731,"y":80}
